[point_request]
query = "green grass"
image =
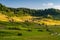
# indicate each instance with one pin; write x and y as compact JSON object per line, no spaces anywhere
{"x":27,"y":35}
{"x":17,"y":31}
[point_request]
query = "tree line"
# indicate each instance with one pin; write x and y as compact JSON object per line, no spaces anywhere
{"x":33,"y":12}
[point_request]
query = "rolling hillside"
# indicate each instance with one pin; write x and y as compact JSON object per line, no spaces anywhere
{"x":29,"y":24}
{"x":47,"y":16}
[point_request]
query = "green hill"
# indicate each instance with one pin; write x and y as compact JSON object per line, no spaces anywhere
{"x":29,"y":24}
{"x":54,"y":13}
{"x":32,"y":15}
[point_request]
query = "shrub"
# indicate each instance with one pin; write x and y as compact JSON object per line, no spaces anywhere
{"x":40,"y":30}
{"x":29,"y":30}
{"x":19,"y":34}
{"x":14,"y":28}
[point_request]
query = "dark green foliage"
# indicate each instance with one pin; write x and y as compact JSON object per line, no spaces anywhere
{"x":54,"y":13}
{"x":40,"y":30}
{"x":29,"y":30}
{"x":19,"y":34}
{"x":14,"y":28}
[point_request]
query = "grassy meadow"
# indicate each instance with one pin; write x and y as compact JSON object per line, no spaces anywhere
{"x":28,"y":31}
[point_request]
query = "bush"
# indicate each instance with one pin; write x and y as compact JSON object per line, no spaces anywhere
{"x":14,"y":28}
{"x":29,"y":30}
{"x":19,"y":34}
{"x":40,"y":30}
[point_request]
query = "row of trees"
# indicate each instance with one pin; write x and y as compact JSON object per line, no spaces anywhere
{"x":32,"y":12}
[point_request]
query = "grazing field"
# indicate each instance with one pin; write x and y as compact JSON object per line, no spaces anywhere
{"x":24,"y":31}
{"x":26,"y":35}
